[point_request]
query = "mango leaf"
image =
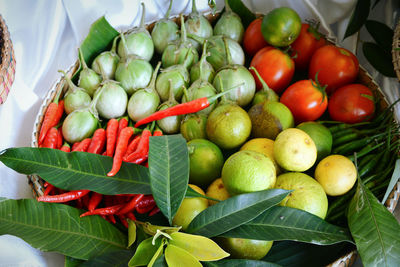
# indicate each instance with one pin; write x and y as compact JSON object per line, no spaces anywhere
{"x":71,"y":262}
{"x":202,"y":248}
{"x":145,"y":252}
{"x":99,"y":39}
{"x":284,"y":223}
{"x":379,"y":59}
{"x":160,"y":262}
{"x":374,"y":228}
{"x":176,"y":256}
{"x":131,"y":232}
{"x":244,"y":13}
{"x":58,"y":227}
{"x":113,"y":259}
{"x":382,"y":34}
{"x":298,"y":254}
{"x":158,"y":253}
{"x":393,"y":181}
{"x":239,"y":263}
{"x":169,"y":172}
{"x":77,"y":170}
{"x":358,"y":18}
{"x":234,"y":212}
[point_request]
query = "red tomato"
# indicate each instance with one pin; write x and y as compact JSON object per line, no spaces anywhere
{"x":275,"y":67}
{"x":352,"y":103}
{"x":305,"y":45}
{"x":253,"y":39}
{"x":306,"y":100}
{"x":335,"y":66}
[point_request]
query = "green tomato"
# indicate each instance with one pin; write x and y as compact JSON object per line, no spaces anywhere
{"x":281,"y":26}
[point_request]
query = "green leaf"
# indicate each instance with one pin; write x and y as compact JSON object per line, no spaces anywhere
{"x":393,"y":181}
{"x":202,"y":248}
{"x":77,"y":170}
{"x":358,"y":18}
{"x":145,"y":252}
{"x":160,"y":262}
{"x":239,"y":263}
{"x":118,"y":258}
{"x":176,"y":256}
{"x":298,"y":254}
{"x":169,"y":172}
{"x":284,"y":223}
{"x":374,"y":228}
{"x":382,"y":34}
{"x":131,"y":232}
{"x":71,"y":262}
{"x":99,"y":39}
{"x":151,"y":229}
{"x":234,"y":212}
{"x":58,"y":227}
{"x":379,"y":59}
{"x":244,"y":13}
{"x":158,"y":253}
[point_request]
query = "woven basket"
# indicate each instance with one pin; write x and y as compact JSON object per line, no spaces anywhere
{"x":363,"y":77}
{"x":7,"y":67}
{"x":396,"y":50}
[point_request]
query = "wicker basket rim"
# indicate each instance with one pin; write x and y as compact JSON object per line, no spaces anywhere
{"x":395,"y":50}
{"x":36,"y":183}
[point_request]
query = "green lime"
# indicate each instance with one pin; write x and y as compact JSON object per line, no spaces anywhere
{"x":241,"y":248}
{"x":206,"y":161}
{"x":281,"y":26}
{"x":228,"y":126}
{"x":321,"y":136}
{"x":248,"y":171}
{"x":190,"y":208}
{"x":307,"y":193}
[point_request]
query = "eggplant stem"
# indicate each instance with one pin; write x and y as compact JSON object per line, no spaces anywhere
{"x":202,"y":60}
{"x":227,"y":6}
{"x":183,"y":30}
{"x":142,"y":19}
{"x":194,"y":8}
{"x":71,"y":85}
{"x":227,"y":51}
{"x":169,"y":9}
{"x":82,"y":59}
{"x":154,"y":76}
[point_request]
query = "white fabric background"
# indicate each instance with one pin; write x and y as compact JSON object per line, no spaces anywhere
{"x":46,"y":35}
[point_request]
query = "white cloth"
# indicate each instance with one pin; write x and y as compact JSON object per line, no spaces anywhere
{"x":46,"y":35}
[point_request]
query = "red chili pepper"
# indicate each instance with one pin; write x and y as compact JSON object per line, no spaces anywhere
{"x":130,"y":216}
{"x":79,"y":203}
{"x":145,"y":209}
{"x":59,"y":113}
{"x":46,"y":184}
{"x":132,"y":145}
{"x":111,"y":219}
{"x":65,"y":148}
{"x":181,"y":109}
{"x":83,"y":145}
{"x":120,"y":151}
{"x":98,"y":141}
{"x":60,"y":139}
{"x":74,"y":146}
{"x":146,"y":164}
{"x":85,"y":201}
{"x":94,"y":201}
{"x":71,"y":195}
{"x":104,"y":211}
{"x":154,"y":211}
{"x":131,"y":204}
{"x":122,"y":123}
{"x":49,"y":118}
{"x":48,"y":190}
{"x":141,"y":153}
{"x":123,"y":220}
{"x":146,"y":201}
{"x":157,"y":132}
{"x":111,"y":132}
{"x":51,"y":139}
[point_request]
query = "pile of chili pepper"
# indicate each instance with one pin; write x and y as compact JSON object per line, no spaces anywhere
{"x":117,"y":140}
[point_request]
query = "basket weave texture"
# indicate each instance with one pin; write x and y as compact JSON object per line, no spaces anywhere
{"x":7,"y":67}
{"x":363,"y":77}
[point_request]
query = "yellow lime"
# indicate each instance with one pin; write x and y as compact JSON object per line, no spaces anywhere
{"x":248,"y":171}
{"x":206,"y":161}
{"x":294,"y":150}
{"x":337,"y":174}
{"x":264,"y":146}
{"x":241,"y":248}
{"x":217,"y":190}
{"x":308,"y":194}
{"x":190,"y":208}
